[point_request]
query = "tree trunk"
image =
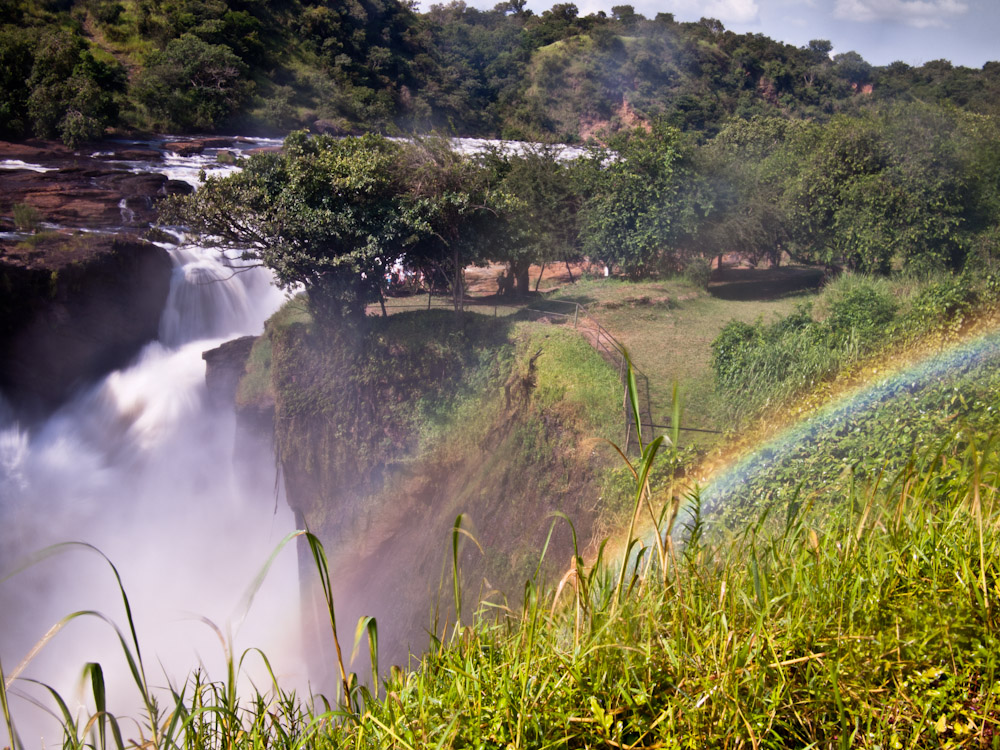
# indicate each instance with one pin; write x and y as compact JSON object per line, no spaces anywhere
{"x":519,"y":272}
{"x":457,"y":287}
{"x":381,"y":301}
{"x":540,"y":274}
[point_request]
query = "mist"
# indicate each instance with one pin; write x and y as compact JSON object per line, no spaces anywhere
{"x":141,"y":465}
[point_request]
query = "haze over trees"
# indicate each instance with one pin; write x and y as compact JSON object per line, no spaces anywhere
{"x":707,"y":141}
{"x":210,"y":65}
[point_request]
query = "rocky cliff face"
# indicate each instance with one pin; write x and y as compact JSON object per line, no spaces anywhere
{"x":381,"y":449}
{"x":72,"y":308}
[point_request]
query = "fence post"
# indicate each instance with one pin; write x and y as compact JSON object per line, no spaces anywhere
{"x":576,"y":312}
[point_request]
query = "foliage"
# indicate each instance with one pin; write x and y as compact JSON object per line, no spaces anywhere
{"x":53,"y":85}
{"x":335,"y":214}
{"x":765,"y":365}
{"x":861,"y":311}
{"x":698,"y":270}
{"x":26,"y":217}
{"x":641,"y":197}
{"x":545,"y":225}
{"x":747,"y":164}
{"x":192,"y":85}
{"x":862,"y":616}
{"x":458,"y":209}
{"x":554,"y":75}
{"x":919,"y":414}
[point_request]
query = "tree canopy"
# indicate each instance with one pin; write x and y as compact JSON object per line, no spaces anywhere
{"x":334,"y":214}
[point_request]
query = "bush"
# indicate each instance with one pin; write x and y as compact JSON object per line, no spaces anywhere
{"x":861,"y":309}
{"x":942,"y":304}
{"x":26,"y":218}
{"x":698,"y":271}
{"x":193,"y":85}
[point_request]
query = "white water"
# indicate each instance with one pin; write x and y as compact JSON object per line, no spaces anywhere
{"x":18,"y":164}
{"x":141,"y":465}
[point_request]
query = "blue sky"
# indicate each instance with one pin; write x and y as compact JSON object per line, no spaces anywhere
{"x":966,"y":32}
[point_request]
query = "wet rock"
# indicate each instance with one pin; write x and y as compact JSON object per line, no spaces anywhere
{"x":224,"y":366}
{"x":177,"y":187}
{"x":82,"y":191}
{"x":135,"y":154}
{"x":74,"y":308}
{"x":186,"y":148}
{"x":195,"y":146}
{"x":330,"y":127}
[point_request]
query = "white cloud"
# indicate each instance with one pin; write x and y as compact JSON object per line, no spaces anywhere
{"x":727,"y":11}
{"x":733,"y":11}
{"x":917,"y":13}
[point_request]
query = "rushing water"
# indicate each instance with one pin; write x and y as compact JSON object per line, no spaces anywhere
{"x":142,"y":466}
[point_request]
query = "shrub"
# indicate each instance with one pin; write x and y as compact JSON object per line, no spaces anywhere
{"x":193,"y":85}
{"x":26,"y":218}
{"x":942,"y":304}
{"x":862,"y":310}
{"x":698,"y":271}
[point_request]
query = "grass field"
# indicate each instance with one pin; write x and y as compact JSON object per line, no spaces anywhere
{"x":668,"y":326}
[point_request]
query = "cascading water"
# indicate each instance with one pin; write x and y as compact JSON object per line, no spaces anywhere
{"x":141,"y":466}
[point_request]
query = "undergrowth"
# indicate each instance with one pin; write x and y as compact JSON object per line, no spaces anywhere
{"x":761,"y":366}
{"x":865,"y":619}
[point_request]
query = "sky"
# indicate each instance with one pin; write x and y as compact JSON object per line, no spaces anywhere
{"x":965,"y":32}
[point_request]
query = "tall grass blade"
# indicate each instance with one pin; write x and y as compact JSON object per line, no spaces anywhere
{"x":675,"y":420}
{"x":633,"y":397}
{"x":323,"y":569}
{"x":370,"y":626}
{"x":15,"y":743}
{"x":96,"y":674}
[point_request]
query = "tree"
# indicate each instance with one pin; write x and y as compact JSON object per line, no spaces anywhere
{"x":545,"y":224}
{"x":459,"y":211}
{"x":72,"y":94}
{"x":748,"y":164}
{"x":333,"y":215}
{"x":193,"y":85}
{"x":325,"y":213}
{"x":884,"y":187}
{"x":16,"y":55}
{"x":642,"y":197}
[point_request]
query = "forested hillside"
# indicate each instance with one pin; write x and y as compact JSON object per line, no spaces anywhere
{"x":71,"y":69}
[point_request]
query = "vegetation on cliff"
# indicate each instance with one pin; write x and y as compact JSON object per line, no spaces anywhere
{"x":857,"y":614}
{"x":428,"y":416}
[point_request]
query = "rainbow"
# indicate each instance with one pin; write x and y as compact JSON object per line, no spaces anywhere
{"x":972,"y":352}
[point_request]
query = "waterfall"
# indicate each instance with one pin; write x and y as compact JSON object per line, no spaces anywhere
{"x":141,"y":466}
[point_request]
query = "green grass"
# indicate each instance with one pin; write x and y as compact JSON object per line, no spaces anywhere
{"x":870,"y":623}
{"x":862,"y":613}
{"x":760,"y":368}
{"x":668,"y":327}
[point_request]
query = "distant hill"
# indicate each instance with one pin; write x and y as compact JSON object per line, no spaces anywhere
{"x":69,"y":69}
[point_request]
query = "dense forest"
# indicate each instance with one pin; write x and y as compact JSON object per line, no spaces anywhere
{"x":702,"y":141}
{"x":73,"y":68}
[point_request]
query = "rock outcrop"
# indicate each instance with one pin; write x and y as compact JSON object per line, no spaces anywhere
{"x":224,"y":366}
{"x":72,"y":308}
{"x":82,"y":191}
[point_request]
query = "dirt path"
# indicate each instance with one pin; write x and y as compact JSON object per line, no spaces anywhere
{"x":481,"y":281}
